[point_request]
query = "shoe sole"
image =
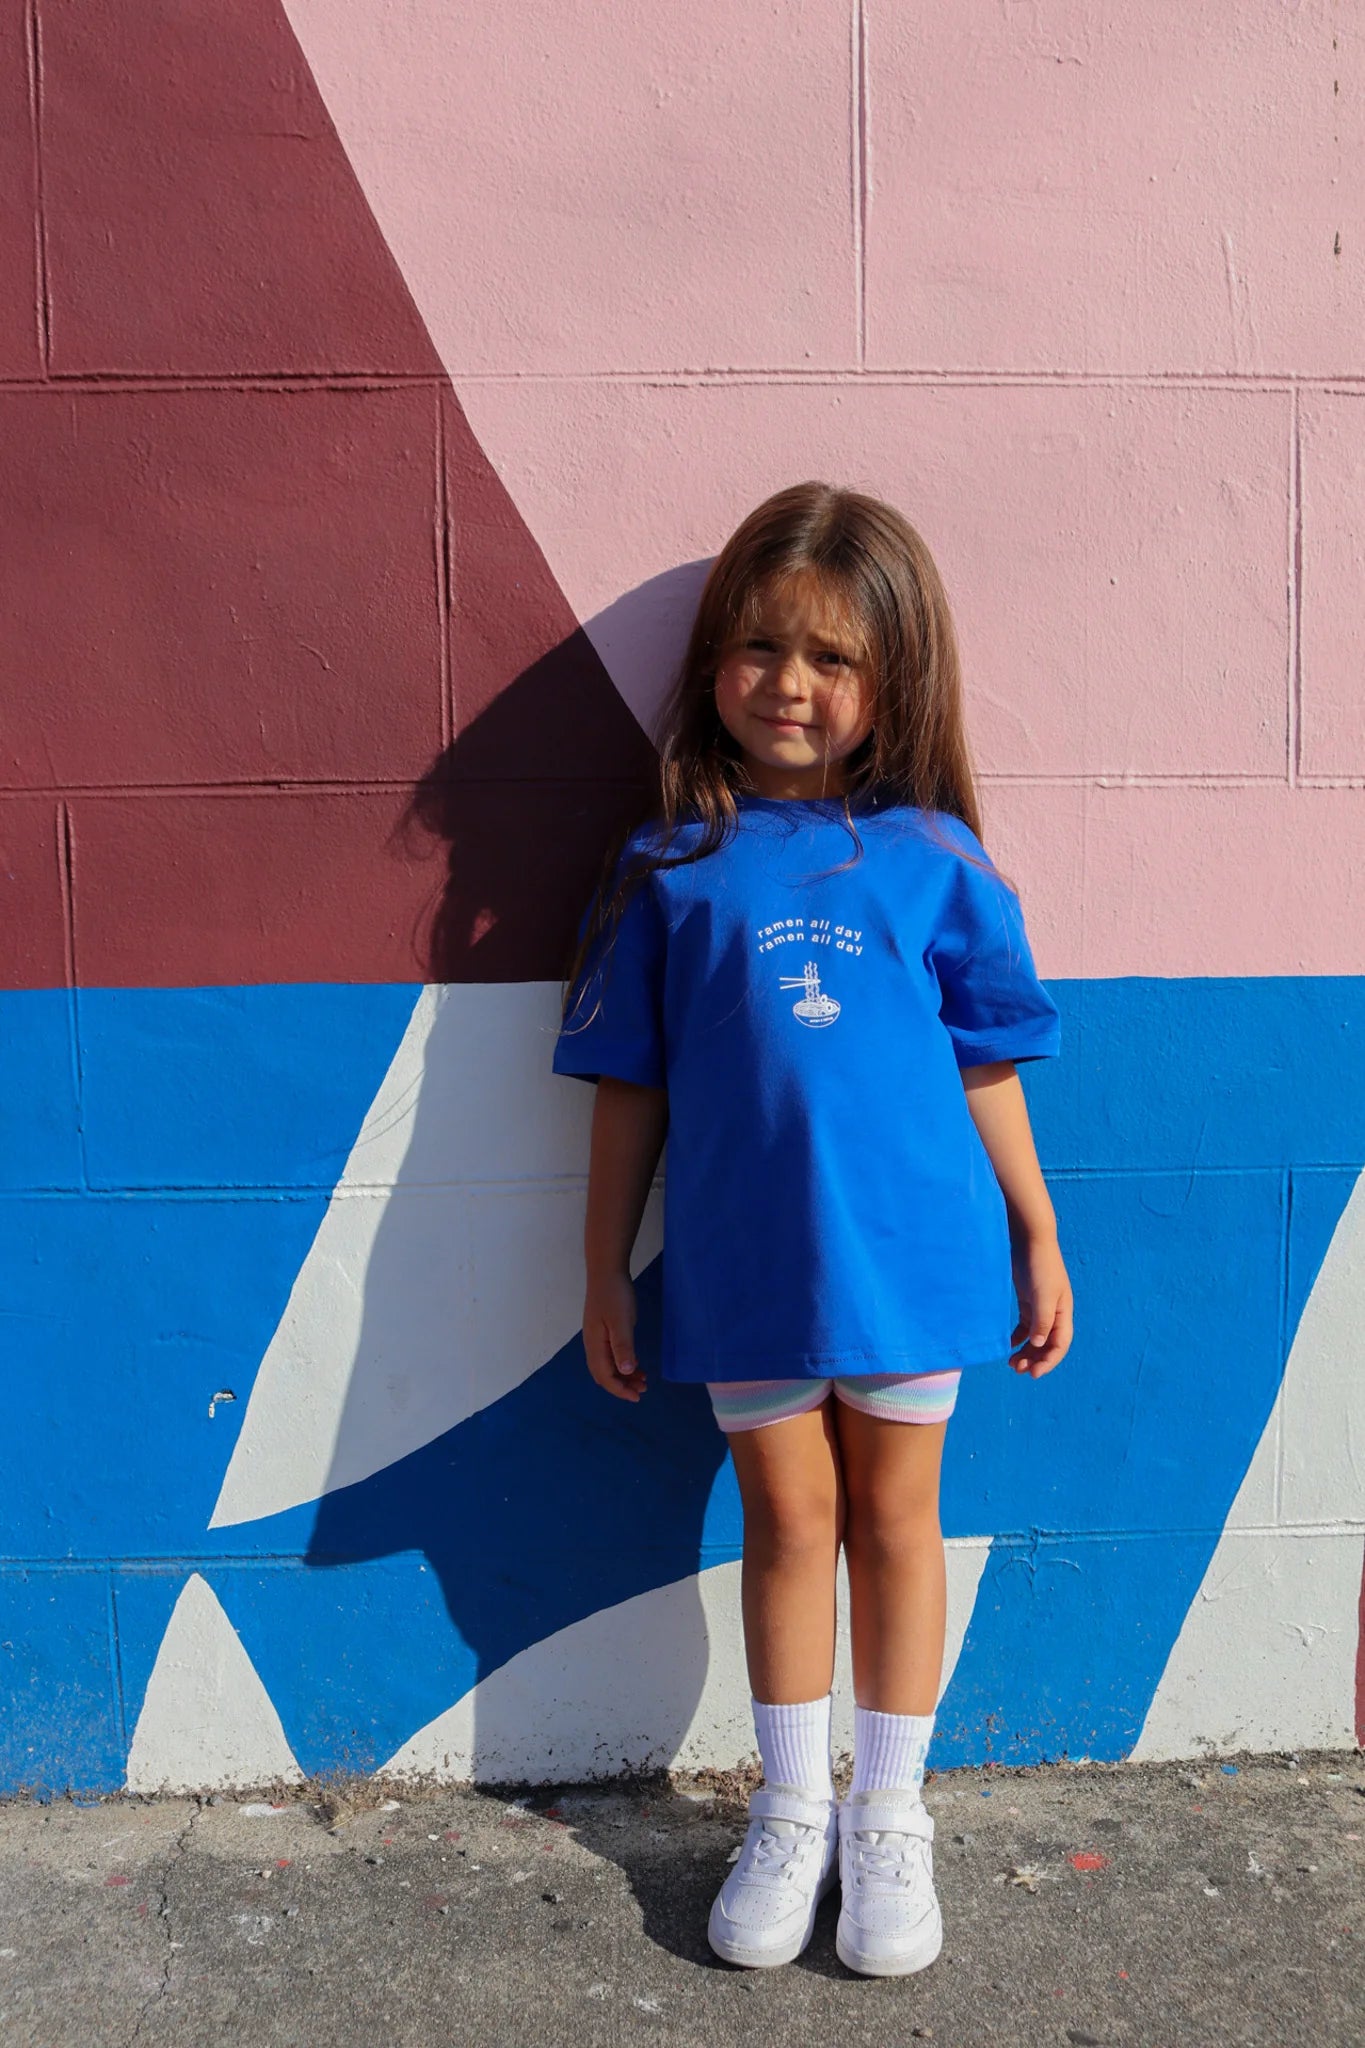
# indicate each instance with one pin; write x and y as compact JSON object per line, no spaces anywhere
{"x":773,"y":1958}
{"x":892,"y":1966}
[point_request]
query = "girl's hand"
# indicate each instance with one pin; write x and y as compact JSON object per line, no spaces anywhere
{"x":1043,"y":1331}
{"x":609,"y":1336}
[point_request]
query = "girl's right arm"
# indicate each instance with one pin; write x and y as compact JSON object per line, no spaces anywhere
{"x":629,"y":1125}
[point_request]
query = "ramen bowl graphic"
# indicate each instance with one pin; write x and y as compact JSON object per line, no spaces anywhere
{"x":814,"y":1008}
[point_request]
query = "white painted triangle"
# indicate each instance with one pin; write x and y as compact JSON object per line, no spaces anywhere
{"x":657,"y":1681}
{"x":206,"y":1720}
{"x":449,"y":1264}
{"x":1266,"y":1657}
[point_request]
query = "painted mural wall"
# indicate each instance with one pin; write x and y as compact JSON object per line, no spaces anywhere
{"x":377,"y":377}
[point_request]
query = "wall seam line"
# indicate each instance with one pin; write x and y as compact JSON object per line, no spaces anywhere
{"x":445,"y":609}
{"x":858,"y":55}
{"x":62,"y":827}
{"x":43,"y":293}
{"x":376,"y":785}
{"x":288,"y":383}
{"x":568,"y":1183}
{"x":667,"y":376}
{"x":206,"y":1560}
{"x":1345,"y":384}
{"x":1286,"y":1340}
{"x":116,"y":1666}
{"x":1294,"y":735}
{"x":66,"y":860}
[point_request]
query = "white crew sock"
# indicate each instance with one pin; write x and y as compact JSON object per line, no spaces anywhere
{"x":889,"y":1751}
{"x":793,"y":1742}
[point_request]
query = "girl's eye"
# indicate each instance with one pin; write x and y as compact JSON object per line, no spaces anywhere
{"x":828,"y":655}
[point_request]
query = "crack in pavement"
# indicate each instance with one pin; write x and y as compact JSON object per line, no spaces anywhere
{"x":163,"y":1913}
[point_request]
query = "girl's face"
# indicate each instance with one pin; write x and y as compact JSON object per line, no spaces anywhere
{"x":795,"y":693}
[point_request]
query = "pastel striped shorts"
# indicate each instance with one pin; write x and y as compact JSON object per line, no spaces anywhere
{"x":893,"y":1396}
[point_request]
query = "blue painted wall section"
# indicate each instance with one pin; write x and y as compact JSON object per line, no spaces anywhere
{"x":167,"y":1158}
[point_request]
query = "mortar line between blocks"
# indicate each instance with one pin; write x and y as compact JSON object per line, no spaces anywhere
{"x":963,"y":376}
{"x":163,"y":1189}
{"x":444,"y":573}
{"x":66,"y":866}
{"x":1096,"y":778}
{"x":1286,"y":1344}
{"x":43,"y":291}
{"x":1294,"y":707}
{"x":146,"y":1564}
{"x":116,"y":1666}
{"x":858,"y":169}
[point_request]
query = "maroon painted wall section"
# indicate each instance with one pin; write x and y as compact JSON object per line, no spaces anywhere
{"x":288,"y":691}
{"x":20,"y":345}
{"x":201,"y":218}
{"x":33,"y":923}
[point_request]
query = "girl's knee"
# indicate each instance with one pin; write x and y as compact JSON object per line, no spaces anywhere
{"x":888,"y":1523}
{"x":793,"y":1518}
{"x":791,"y":1485}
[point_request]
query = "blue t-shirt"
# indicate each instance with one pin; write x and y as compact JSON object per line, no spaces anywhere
{"x":829,"y":1207}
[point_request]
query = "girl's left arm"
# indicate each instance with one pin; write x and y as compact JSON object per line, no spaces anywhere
{"x":995,"y":1098}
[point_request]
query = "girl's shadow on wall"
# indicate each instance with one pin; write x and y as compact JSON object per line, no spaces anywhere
{"x":537,"y":1500}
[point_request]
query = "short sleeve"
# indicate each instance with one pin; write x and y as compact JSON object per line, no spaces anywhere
{"x":992,"y":1004}
{"x":614,"y":1022}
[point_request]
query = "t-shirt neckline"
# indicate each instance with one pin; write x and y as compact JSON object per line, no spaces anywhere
{"x":815,"y":807}
{"x":782,"y":803}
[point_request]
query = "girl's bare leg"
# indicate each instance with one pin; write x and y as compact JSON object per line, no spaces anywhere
{"x":789,"y":1482}
{"x":894,"y":1548}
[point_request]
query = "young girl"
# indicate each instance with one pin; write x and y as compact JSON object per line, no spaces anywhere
{"x":805,"y":970}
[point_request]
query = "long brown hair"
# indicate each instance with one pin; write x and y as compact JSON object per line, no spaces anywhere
{"x":869,"y":561}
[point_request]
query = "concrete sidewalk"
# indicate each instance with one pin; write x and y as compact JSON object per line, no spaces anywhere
{"x":1151,"y":1906}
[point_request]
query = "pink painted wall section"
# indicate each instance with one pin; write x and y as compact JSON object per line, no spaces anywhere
{"x":1078,"y":186}
{"x":1048,"y":279}
{"x":1108,"y":188}
{"x":1332,"y":712}
{"x":570,"y":186}
{"x":1117,"y":556}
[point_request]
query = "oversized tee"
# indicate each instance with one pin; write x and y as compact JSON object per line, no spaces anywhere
{"x":829,"y":1206}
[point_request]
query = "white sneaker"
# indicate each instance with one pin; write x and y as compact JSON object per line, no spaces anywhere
{"x":765,"y":1910}
{"x":889,"y":1922}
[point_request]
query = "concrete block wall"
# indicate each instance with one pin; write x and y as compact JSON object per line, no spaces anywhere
{"x":376,"y":383}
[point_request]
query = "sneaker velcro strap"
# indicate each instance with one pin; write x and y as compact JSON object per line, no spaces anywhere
{"x":886,"y":1816}
{"x":786,"y":1802}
